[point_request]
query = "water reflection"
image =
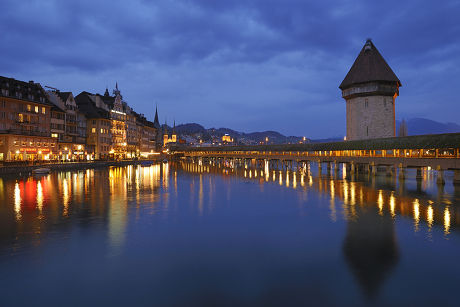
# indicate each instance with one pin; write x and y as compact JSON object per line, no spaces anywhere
{"x":38,"y":204}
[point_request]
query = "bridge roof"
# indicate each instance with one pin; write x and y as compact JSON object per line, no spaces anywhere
{"x":430,"y":141}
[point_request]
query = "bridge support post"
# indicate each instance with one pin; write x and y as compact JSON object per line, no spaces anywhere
{"x":440,"y":176}
{"x":419,"y":174}
{"x":319,"y":167}
{"x":456,"y":177}
{"x":402,"y":172}
{"x":373,"y":169}
{"x":352,"y":168}
{"x":389,"y":171}
{"x":336,"y":168}
{"x":328,"y":168}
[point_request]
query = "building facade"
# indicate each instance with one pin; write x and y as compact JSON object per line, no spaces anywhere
{"x":370,"y":89}
{"x":25,"y":122}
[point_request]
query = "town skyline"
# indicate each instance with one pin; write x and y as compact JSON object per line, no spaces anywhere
{"x":244,"y":66}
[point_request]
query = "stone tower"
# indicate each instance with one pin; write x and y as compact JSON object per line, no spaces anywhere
{"x":370,"y":89}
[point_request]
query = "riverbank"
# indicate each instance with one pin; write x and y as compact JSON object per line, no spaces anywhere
{"x":24,"y":169}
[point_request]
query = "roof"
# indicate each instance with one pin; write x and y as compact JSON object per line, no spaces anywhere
{"x":429,"y":141}
{"x":88,"y":108}
{"x":63,"y":95}
{"x":27,"y":91}
{"x":369,"y":66}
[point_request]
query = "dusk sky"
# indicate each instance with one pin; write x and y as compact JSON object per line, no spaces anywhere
{"x":245,"y":65}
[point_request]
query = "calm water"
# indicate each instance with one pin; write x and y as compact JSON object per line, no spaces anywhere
{"x":197,"y":235}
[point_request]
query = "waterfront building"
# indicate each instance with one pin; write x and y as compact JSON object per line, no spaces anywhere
{"x":98,"y":125}
{"x":370,"y":89}
{"x":25,"y":122}
{"x":148,"y":135}
{"x":72,"y":140}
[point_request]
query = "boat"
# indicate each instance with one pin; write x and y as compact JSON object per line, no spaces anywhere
{"x":41,"y":171}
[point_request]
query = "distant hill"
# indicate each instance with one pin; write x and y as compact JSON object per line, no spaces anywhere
{"x":418,"y":126}
{"x":193,"y":133}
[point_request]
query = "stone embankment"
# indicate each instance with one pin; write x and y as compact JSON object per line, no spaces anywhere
{"x":67,"y":166}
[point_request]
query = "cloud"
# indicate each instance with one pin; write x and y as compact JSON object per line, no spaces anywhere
{"x":243,"y":64}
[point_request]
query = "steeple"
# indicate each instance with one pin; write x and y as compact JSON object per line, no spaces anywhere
{"x":116,"y":91}
{"x":106,"y":92}
{"x":156,"y":122}
{"x":174,"y":127}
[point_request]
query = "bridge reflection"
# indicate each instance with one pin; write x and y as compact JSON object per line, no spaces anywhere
{"x":355,"y":193}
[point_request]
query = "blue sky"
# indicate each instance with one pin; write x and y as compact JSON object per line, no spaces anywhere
{"x":246,"y":65}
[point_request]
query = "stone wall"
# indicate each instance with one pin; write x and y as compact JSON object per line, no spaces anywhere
{"x":370,"y":117}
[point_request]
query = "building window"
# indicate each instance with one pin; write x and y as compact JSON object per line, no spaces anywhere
{"x":54,"y":135}
{"x":36,"y":109}
{"x":43,"y":110}
{"x":93,"y":130}
{"x":20,"y":118}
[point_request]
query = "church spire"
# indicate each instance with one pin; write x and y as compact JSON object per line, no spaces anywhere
{"x":116,"y":91}
{"x":156,"y":122}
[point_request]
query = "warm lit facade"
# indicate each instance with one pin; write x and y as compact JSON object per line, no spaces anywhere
{"x":25,"y":122}
{"x":227,"y":139}
{"x":98,"y":125}
{"x":370,"y":89}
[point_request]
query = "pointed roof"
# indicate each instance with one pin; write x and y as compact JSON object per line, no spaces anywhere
{"x":369,"y":66}
{"x":156,"y":122}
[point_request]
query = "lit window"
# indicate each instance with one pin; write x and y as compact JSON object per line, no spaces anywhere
{"x":36,"y":109}
{"x":21,"y":118}
{"x":43,"y":110}
{"x":29,"y":108}
{"x":54,"y":135}
{"x":93,"y":130}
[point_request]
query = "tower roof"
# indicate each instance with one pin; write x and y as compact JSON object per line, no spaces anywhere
{"x":369,"y":66}
{"x":156,"y":122}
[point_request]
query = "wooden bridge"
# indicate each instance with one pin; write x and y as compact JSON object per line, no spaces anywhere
{"x":437,"y":151}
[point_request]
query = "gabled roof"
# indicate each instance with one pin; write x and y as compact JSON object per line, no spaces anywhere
{"x":88,"y":108}
{"x":63,"y":95}
{"x":369,"y":66}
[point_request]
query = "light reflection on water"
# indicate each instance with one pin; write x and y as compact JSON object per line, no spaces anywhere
{"x":366,"y":212}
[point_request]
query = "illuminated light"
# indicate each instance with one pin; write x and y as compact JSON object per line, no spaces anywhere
{"x":274,"y":176}
{"x":380,"y":202}
{"x":392,"y":205}
{"x":294,"y":180}
{"x":430,"y":216}
{"x":65,"y":196}
{"x":245,"y":175}
{"x":250,"y":173}
{"x":352,"y":193}
{"x":416,"y":214}
{"x":39,"y":197}
{"x":446,"y":221}
{"x":79,"y":147}
{"x":302,"y":180}
{"x":255,"y":173}
{"x":17,"y":152}
{"x":281,"y":178}
{"x":17,"y":201}
{"x":287,"y":178}
{"x":310,"y":181}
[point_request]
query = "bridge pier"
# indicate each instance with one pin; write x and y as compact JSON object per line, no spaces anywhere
{"x":402,"y":172}
{"x":456,"y":180}
{"x":319,"y":168}
{"x":328,"y":168}
{"x":440,"y":176}
{"x":389,"y":171}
